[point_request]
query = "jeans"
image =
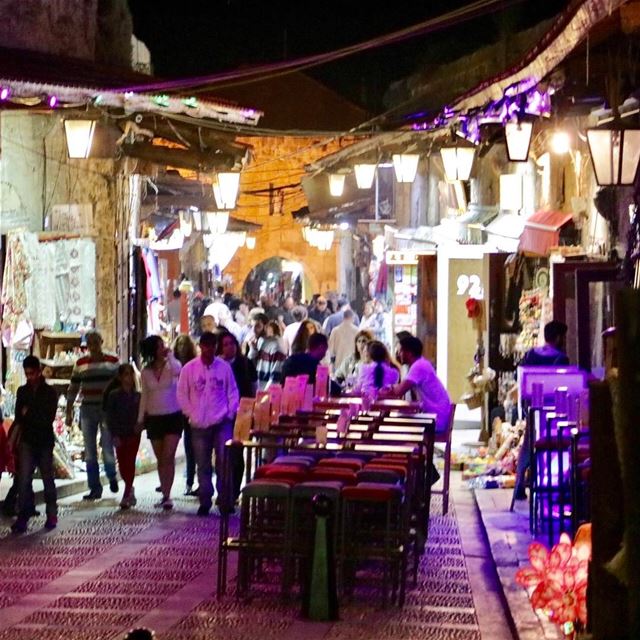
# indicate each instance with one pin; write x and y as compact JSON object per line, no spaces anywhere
{"x":205,"y":442}
{"x":29,"y":458}
{"x":126,"y":452}
{"x":90,"y":423}
{"x":189,"y":454}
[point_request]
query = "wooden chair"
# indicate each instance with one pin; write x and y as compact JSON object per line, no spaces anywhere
{"x":444,"y":437}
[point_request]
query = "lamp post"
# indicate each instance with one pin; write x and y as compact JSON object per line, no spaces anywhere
{"x":79,"y":135}
{"x":518,"y":137}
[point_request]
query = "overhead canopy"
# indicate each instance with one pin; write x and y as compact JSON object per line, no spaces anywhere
{"x":542,"y":231}
{"x":505,"y":231}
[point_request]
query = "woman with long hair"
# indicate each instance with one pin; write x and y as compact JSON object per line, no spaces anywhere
{"x":307,"y":328}
{"x":350,"y":367}
{"x":121,"y":405}
{"x":380,"y":372}
{"x":159,"y":409}
{"x":184,"y":350}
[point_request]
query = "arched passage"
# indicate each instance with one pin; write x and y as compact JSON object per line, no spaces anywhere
{"x":278,"y":275}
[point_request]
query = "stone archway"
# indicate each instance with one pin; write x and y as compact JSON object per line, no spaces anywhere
{"x":310,"y":280}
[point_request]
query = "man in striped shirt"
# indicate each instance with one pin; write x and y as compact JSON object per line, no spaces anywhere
{"x":91,"y":374}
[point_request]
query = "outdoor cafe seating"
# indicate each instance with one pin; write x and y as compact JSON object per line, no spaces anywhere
{"x":375,"y":473}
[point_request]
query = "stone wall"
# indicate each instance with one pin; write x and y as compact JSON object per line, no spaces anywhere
{"x":281,"y":161}
{"x":37,"y":175}
{"x":93,"y":30}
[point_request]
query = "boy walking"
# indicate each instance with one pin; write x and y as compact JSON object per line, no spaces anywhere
{"x":36,"y":404}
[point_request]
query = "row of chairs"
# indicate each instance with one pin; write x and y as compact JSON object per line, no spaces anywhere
{"x":376,"y":489}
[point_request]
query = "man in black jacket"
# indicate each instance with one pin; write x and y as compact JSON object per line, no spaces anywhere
{"x":35,"y":412}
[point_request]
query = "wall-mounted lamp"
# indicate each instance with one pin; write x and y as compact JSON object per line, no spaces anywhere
{"x":458,"y":161}
{"x":217,"y":221}
{"x":560,"y":142}
{"x":365,"y":174}
{"x":615,"y":154}
{"x":79,"y":134}
{"x":405,"y":166}
{"x":336,"y":184}
{"x":225,"y":189}
{"x":518,"y":136}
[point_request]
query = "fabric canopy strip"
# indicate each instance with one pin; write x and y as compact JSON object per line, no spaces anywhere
{"x":542,"y":231}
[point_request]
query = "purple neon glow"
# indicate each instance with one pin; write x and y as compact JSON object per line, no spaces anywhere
{"x":4,"y":93}
{"x":524,"y":97}
{"x":53,"y":101}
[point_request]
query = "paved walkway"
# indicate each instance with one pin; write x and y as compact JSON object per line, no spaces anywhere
{"x":104,"y":571}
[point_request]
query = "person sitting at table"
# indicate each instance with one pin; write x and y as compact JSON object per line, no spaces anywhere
{"x":349,"y":370}
{"x":307,"y":363}
{"x":422,"y":379}
{"x":552,"y":352}
{"x":379,"y":372}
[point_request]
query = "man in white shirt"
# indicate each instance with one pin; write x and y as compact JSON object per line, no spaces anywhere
{"x":208,"y":396}
{"x":422,"y":379}
{"x":342,"y":341}
{"x":290,"y":331}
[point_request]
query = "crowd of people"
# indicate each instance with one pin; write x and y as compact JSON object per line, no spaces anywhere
{"x":193,"y":392}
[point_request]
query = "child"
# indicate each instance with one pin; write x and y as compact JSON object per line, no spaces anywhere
{"x":122,"y":403}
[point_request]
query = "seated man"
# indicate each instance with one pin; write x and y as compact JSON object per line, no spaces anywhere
{"x":422,"y":379}
{"x":552,"y":352}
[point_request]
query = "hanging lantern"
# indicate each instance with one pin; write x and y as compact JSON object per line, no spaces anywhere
{"x":405,"y":166}
{"x":207,"y":239}
{"x":250,"y":243}
{"x":197,"y":219}
{"x":336,"y":184}
{"x":365,"y":174}
{"x":217,"y":221}
{"x":615,"y":154}
{"x":518,"y":136}
{"x":186,"y":223}
{"x":225,"y":189}
{"x":458,"y":162}
{"x":79,"y":134}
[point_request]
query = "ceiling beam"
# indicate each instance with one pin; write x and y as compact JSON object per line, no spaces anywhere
{"x":204,"y":161}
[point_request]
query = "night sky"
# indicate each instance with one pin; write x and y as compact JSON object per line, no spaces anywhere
{"x":220,"y":35}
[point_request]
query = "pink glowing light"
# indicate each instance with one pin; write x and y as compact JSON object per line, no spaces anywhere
{"x":53,"y":101}
{"x":4,"y":93}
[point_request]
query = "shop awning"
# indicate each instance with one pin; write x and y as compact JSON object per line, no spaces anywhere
{"x":542,"y":231}
{"x":505,"y":231}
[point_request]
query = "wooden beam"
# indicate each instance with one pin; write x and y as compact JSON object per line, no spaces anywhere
{"x":153,"y":203}
{"x":182,"y":158}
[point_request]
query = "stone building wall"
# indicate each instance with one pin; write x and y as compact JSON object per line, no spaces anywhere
{"x":281,"y":161}
{"x":93,"y":30}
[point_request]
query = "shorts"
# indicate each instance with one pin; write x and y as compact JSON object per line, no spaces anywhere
{"x":160,"y":426}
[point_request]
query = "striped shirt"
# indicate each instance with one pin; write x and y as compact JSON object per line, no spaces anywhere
{"x":90,"y":378}
{"x":268,"y":359}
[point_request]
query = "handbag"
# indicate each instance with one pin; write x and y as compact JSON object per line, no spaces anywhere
{"x":14,"y":436}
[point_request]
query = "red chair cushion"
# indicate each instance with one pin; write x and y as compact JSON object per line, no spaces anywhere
{"x":346,"y":476}
{"x":353,"y":464}
{"x":265,"y":469}
{"x":372,"y":492}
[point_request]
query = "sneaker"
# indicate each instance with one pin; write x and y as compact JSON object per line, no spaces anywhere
{"x":92,"y":495}
{"x":51,"y":523}
{"x":113,"y":485}
{"x":20,"y":525}
{"x":167,"y":504}
{"x":203,"y":510}
{"x":188,"y":490}
{"x":125,"y":503}
{"x":158,"y":489}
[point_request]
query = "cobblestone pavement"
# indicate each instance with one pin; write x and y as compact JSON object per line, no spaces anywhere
{"x":104,"y":571}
